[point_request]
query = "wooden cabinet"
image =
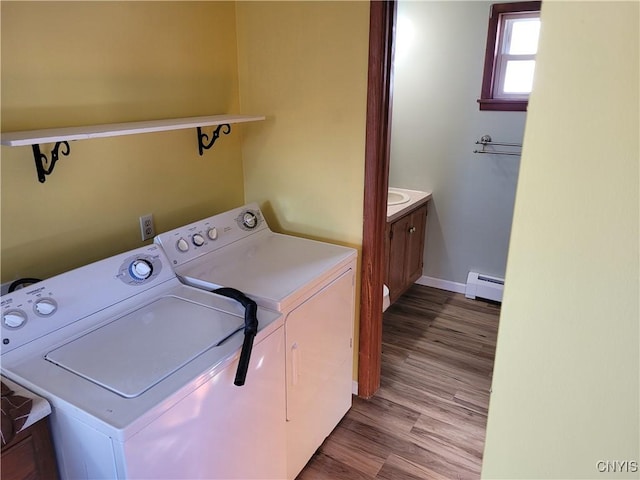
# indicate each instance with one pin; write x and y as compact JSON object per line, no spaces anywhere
{"x":404,"y":247}
{"x":30,"y":454}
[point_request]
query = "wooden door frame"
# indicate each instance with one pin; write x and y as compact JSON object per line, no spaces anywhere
{"x":382,"y":19}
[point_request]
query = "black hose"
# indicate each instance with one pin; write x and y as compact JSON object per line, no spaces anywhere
{"x":245,"y":357}
{"x":250,"y":329}
{"x":22,"y":281}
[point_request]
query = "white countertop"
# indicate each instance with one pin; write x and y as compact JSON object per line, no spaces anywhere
{"x":416,"y":199}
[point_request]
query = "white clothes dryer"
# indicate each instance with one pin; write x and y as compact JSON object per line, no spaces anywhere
{"x":140,"y":369}
{"x":311,"y":283}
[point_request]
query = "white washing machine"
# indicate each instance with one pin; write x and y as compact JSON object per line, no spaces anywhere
{"x":140,"y":369}
{"x":311,"y":283}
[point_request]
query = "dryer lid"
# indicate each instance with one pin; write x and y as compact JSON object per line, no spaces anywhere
{"x":138,"y":350}
{"x":269,"y":267}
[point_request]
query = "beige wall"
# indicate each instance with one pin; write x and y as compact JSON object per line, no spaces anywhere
{"x":75,"y":63}
{"x":565,"y":390}
{"x":304,"y":65}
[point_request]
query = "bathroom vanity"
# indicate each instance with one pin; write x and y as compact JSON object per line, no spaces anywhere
{"x":404,"y":239}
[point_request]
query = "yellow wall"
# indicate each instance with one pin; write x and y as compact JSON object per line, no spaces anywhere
{"x":304,"y":65}
{"x":565,"y":389}
{"x":79,"y":63}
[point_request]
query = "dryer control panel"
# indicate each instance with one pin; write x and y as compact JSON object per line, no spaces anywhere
{"x":191,"y":241}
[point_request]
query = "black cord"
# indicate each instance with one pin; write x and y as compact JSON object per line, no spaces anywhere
{"x":22,"y":281}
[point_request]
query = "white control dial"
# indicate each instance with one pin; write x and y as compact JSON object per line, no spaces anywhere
{"x":198,"y":240}
{"x":182,"y":245}
{"x":212,"y":233}
{"x":140,"y":269}
{"x":14,"y":318}
{"x":45,"y":307}
{"x":249,"y":220}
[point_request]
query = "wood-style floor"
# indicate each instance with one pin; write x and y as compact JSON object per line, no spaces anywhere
{"x":429,"y":417}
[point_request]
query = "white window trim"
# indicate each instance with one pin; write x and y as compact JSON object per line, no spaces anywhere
{"x":502,"y":58}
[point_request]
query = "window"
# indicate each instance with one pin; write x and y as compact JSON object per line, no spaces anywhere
{"x":510,"y":60}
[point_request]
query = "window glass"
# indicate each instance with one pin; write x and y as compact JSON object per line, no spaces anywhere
{"x":510,"y":57}
{"x":518,"y":77}
{"x":524,"y":36}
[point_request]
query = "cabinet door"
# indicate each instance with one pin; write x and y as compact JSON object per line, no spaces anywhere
{"x":415,"y":245}
{"x":30,"y":455}
{"x":405,"y":255}
{"x":397,"y":256}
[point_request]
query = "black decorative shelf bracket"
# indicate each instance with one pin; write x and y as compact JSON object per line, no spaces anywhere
{"x":43,"y":165}
{"x":203,"y":137}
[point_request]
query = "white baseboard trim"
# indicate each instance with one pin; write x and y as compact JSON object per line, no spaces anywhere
{"x":354,"y":387}
{"x":442,"y":284}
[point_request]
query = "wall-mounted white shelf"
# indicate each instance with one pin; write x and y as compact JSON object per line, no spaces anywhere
{"x":61,"y":136}
{"x":50,"y":135}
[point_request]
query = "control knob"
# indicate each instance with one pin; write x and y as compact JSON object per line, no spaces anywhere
{"x":198,"y":240}
{"x":140,"y":269}
{"x":14,"y":318}
{"x":182,"y":245}
{"x":249,"y":220}
{"x":212,"y":233}
{"x":45,"y":307}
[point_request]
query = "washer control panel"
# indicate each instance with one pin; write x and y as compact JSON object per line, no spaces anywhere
{"x":186,"y":243}
{"x":17,"y":317}
{"x":21,"y":308}
{"x":139,"y":269}
{"x":58,"y":302}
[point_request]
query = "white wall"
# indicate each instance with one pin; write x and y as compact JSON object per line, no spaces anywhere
{"x":566,"y":379}
{"x":436,"y":120}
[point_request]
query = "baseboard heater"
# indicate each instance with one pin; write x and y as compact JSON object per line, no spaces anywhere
{"x":484,"y":286}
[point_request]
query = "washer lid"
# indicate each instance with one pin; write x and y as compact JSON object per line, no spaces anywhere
{"x":138,"y":350}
